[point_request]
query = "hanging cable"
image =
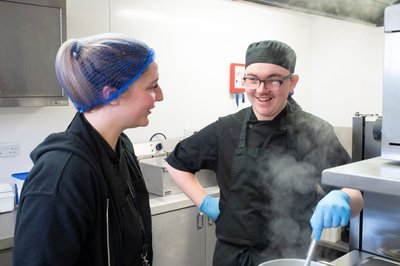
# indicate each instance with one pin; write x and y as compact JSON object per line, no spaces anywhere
{"x":151,"y":139}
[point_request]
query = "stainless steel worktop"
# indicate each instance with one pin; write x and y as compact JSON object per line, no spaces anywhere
{"x":157,"y":204}
{"x":177,"y":201}
{"x":373,"y":175}
{"x":359,"y":258}
{"x":374,"y":234}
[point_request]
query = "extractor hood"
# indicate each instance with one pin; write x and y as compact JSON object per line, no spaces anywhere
{"x":361,"y":11}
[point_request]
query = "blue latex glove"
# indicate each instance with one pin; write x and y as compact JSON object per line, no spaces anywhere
{"x":210,"y":206}
{"x":333,"y":210}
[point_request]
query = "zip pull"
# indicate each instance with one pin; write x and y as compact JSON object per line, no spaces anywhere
{"x":108,"y":231}
{"x":145,"y":261}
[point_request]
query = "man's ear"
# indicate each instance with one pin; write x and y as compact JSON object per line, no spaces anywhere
{"x":108,"y":92}
{"x":293,"y":82}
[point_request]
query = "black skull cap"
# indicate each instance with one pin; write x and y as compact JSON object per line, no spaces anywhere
{"x":272,"y":52}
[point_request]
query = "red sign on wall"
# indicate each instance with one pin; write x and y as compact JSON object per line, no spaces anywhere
{"x":236,"y":78}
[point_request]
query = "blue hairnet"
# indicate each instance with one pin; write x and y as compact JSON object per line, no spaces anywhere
{"x":85,"y":66}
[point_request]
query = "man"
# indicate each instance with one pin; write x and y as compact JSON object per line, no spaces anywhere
{"x":268,"y":159}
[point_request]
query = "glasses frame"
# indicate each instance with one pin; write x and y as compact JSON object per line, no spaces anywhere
{"x":266,"y":82}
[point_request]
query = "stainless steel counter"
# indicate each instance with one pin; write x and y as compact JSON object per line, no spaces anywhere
{"x":350,"y":259}
{"x":373,"y":175}
{"x":177,"y":201}
{"x":374,"y":234}
{"x":359,"y":258}
{"x":157,"y":204}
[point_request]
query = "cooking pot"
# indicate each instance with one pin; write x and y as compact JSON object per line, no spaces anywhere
{"x":292,"y":262}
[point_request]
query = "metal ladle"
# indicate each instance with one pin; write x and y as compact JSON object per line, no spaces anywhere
{"x":311,"y":251}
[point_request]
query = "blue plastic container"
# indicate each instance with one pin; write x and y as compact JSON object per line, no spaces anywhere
{"x":19,"y":179}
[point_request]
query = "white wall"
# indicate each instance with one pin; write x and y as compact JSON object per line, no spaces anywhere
{"x":347,"y":70}
{"x":340,"y":64}
{"x":195,"y":42}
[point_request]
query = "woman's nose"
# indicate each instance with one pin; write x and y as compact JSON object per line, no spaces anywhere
{"x":159,"y":95}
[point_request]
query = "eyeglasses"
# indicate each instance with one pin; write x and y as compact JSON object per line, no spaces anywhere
{"x":272,"y":84}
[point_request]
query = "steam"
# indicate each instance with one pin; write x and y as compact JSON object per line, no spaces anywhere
{"x":290,"y":184}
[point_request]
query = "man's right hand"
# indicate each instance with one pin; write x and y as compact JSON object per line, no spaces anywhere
{"x":210,"y":206}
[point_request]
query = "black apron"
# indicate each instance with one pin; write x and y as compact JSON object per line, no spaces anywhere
{"x":258,"y":222}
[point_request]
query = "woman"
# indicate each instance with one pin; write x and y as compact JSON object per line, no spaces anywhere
{"x":85,"y":201}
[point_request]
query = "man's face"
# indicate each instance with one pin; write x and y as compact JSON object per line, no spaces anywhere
{"x":269,"y":98}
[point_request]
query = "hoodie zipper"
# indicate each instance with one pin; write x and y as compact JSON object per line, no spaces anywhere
{"x":108,"y":233}
{"x":143,"y":254}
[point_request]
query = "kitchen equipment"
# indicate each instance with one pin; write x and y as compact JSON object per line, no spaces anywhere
{"x":155,"y":148}
{"x":292,"y":262}
{"x":311,"y":251}
{"x":159,"y":182}
{"x":6,"y":198}
{"x":391,"y":83}
{"x":377,"y":230}
{"x":366,"y":136}
{"x":375,"y":233}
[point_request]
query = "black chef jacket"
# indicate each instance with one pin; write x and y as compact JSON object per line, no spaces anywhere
{"x":213,"y":147}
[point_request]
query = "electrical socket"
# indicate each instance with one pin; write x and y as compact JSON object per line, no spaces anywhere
{"x":10,"y":149}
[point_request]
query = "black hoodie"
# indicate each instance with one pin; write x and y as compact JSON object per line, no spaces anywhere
{"x":83,"y":203}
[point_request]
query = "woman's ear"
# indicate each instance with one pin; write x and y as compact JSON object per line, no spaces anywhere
{"x":108,"y":92}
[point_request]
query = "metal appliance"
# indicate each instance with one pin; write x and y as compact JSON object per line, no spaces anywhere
{"x":366,"y":136}
{"x":391,"y":85}
{"x":159,"y":182}
{"x":375,"y":233}
{"x":152,"y":155}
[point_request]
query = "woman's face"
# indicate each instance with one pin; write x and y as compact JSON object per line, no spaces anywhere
{"x":268,"y":103}
{"x":138,"y":100}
